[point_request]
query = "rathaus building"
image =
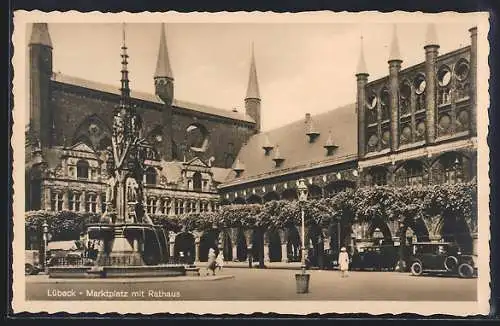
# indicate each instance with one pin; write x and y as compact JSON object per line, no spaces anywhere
{"x":414,"y":126}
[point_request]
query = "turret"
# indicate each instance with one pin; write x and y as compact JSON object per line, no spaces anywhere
{"x":163,"y":78}
{"x":394,"y":68}
{"x":431,"y":53}
{"x":362,"y":80}
{"x":252,"y":99}
{"x":40,"y":70}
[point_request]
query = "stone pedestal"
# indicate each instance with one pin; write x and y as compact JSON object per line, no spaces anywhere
{"x":122,"y":253}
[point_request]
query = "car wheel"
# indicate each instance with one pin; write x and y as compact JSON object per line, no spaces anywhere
{"x":416,"y":268}
{"x":465,"y":271}
{"x":450,"y":263}
{"x":28,"y":269}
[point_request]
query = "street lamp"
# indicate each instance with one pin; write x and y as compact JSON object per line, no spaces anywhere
{"x":45,"y":230}
{"x":302,"y":192}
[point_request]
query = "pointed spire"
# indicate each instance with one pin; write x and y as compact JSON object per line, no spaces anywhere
{"x":125,"y":89}
{"x":431,"y":38}
{"x":395,"y":55}
{"x":361,"y":68}
{"x":40,"y":35}
{"x":253,"y":82}
{"x":163,"y":68}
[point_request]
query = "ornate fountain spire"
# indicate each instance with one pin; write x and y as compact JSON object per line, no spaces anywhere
{"x":125,"y":88}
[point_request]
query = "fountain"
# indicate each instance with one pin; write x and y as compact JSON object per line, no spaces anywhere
{"x":132,"y":245}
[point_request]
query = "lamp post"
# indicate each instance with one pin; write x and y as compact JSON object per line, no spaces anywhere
{"x":402,"y":243}
{"x":302,"y":191}
{"x":45,"y":230}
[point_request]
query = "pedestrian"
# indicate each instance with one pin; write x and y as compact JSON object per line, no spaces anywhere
{"x":220,"y":260}
{"x":211,"y":261}
{"x":343,"y":262}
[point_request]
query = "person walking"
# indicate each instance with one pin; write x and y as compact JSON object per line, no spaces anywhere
{"x":343,"y":262}
{"x":220,"y":260}
{"x":211,"y":261}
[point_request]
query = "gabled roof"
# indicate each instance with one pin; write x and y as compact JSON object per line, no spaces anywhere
{"x":298,"y":152}
{"x":148,"y":97}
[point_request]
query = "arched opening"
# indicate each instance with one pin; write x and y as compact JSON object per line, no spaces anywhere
{"x":254,"y":199}
{"x":82,"y":169}
{"x":450,"y":168}
{"x":412,"y":231}
{"x":340,"y":236}
{"x":241,"y":246}
{"x":379,"y":232}
{"x":455,"y":229}
{"x":315,"y":246}
{"x":151,"y":176}
{"x":376,"y":176}
{"x":271,"y":196}
{"x":315,"y":192}
{"x":196,"y":136}
{"x":209,"y":239}
{"x":293,"y":244}
{"x":337,"y":186}
{"x":258,"y":246}
{"x":197,"y":181}
{"x":289,"y":194}
{"x":410,"y":173}
{"x":274,"y":245}
{"x":184,"y":248}
{"x":239,"y":201}
{"x":227,"y":246}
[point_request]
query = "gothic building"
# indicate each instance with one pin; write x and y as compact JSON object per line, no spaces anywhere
{"x":417,"y":125}
{"x":192,"y":145}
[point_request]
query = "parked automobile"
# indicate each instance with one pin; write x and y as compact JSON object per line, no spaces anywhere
{"x":32,"y":263}
{"x":377,"y":257}
{"x":441,"y":258}
{"x":64,"y":253}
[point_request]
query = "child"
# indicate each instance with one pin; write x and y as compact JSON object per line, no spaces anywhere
{"x":220,"y":260}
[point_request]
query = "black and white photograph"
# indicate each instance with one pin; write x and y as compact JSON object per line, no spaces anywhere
{"x":289,"y":163}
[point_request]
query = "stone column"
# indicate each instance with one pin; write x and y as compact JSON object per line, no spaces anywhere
{"x":172,"y":207}
{"x":197,"y":249}
{"x":234,"y":250}
{"x":83,"y":201}
{"x":65,"y":205}
{"x":266,"y":252}
{"x":98,"y":203}
{"x":362,"y":80}
{"x":158,"y":206}
{"x":431,"y":53}
{"x":47,"y":199}
{"x":473,"y":80}
{"x":171,"y":244}
{"x":284,"y":253}
{"x":394,"y":68}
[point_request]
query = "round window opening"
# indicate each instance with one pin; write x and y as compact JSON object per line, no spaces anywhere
{"x":420,"y":84}
{"x":462,"y":70}
{"x":444,"y":76}
{"x":197,"y":137}
{"x":373,"y":141}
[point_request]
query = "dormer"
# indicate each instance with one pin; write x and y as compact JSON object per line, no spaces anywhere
{"x":267,"y":146}
{"x":278,"y":159}
{"x":330,"y":145}
{"x":238,"y":167}
{"x":311,"y":131}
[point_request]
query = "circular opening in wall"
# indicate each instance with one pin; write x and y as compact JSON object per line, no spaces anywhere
{"x":372,"y":101}
{"x":463,"y":117}
{"x":420,"y":128}
{"x":197,"y":137}
{"x":444,"y":76}
{"x":420,"y":84}
{"x":462,"y":70}
{"x":373,"y":140}
{"x":445,"y":122}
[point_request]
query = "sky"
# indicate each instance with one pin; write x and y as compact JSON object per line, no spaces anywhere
{"x":302,"y":67}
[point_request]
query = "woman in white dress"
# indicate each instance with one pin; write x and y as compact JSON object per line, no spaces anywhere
{"x":220,"y":260}
{"x":343,"y":262}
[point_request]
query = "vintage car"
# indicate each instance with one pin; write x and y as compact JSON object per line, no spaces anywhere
{"x":377,"y":257}
{"x":64,"y":253}
{"x":440,"y":258}
{"x":32,"y":264}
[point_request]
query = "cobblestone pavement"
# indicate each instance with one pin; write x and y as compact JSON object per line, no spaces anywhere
{"x":270,"y":284}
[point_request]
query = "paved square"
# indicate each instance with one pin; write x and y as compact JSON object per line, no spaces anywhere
{"x":275,"y":284}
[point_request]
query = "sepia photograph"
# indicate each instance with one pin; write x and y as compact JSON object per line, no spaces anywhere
{"x":298,"y":163}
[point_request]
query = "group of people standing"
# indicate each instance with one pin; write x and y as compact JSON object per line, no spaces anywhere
{"x":214,"y":261}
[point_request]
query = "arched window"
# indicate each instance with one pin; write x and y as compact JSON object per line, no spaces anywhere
{"x":150,"y":176}
{"x":197,"y":181}
{"x":411,"y":173}
{"x":82,"y":169}
{"x":377,"y":176}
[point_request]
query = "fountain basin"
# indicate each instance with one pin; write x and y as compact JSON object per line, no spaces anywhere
{"x":166,"y":270}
